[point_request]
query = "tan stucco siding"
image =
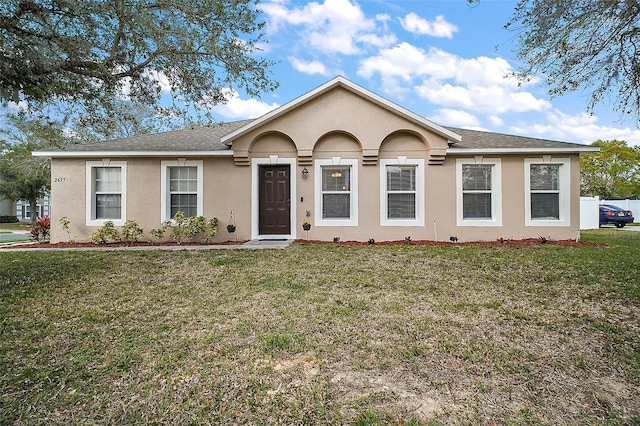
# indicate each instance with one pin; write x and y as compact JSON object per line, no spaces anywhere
{"x":224,"y":188}
{"x":338,"y":111}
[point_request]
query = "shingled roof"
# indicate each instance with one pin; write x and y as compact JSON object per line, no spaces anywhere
{"x":190,"y":140}
{"x":206,"y":140}
{"x":476,"y":140}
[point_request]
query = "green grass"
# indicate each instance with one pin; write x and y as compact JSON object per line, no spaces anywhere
{"x":324,"y":334}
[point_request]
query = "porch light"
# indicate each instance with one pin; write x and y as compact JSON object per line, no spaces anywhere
{"x":305,"y":173}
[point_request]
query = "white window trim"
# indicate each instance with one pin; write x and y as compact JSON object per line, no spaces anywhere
{"x":496,"y":192}
{"x":419,"y":219}
{"x":272,"y":160}
{"x":353,"y":164}
{"x":564,"y":185}
{"x":91,"y":200}
{"x":165,"y":207}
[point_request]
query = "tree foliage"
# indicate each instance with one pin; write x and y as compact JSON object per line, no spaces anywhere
{"x":614,"y":171}
{"x":22,"y":176}
{"x":582,"y":44}
{"x":126,"y":119}
{"x":92,"y":52}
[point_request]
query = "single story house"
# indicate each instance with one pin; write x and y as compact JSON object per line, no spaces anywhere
{"x":352,"y":163}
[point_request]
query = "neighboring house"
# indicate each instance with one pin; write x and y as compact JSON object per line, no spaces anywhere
{"x":7,"y":207}
{"x":354,"y":164}
{"x":23,"y":209}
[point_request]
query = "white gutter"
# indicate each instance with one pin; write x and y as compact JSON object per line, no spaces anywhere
{"x":87,"y":154}
{"x":473,"y":151}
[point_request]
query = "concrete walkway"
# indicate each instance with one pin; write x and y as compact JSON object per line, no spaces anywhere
{"x":250,"y":245}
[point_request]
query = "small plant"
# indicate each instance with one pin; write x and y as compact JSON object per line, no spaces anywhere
{"x":195,"y":226}
{"x":407,"y":239}
{"x":453,"y":239}
{"x":107,"y":233}
{"x":336,"y":239}
{"x":157,"y":234}
{"x":178,"y":227}
{"x":211,"y":231}
{"x":306,"y":225}
{"x":543,"y":240}
{"x":502,"y":240}
{"x":66,"y":226}
{"x":371,"y":241}
{"x":42,"y":229}
{"x":131,"y":231}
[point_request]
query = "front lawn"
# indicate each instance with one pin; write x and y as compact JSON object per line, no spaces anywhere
{"x":324,"y":334}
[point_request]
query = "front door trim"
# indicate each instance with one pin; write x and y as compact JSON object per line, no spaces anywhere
{"x":255,"y":195}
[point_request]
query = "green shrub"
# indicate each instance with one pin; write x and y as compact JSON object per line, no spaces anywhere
{"x":131,"y":231}
{"x":8,"y":219}
{"x":195,"y":225}
{"x":106,"y":234}
{"x":177,"y":227}
{"x":157,"y":234}
{"x":212,"y":230}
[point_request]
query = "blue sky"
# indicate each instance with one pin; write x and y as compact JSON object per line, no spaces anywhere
{"x":444,"y":60}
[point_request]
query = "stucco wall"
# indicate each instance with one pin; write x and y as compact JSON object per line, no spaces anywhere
{"x":225,"y":188}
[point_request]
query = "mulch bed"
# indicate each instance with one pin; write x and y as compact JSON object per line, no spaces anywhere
{"x":497,"y":243}
{"x":47,"y":245}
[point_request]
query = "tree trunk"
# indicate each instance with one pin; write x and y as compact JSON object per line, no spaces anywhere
{"x":33,"y":205}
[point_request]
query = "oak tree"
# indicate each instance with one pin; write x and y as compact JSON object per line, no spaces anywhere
{"x":586,"y":45}
{"x":90,"y":52}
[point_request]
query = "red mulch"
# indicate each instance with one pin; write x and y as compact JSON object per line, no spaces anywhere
{"x":112,"y":245}
{"x":497,"y":243}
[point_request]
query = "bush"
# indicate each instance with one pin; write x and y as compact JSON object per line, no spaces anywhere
{"x":212,"y":230}
{"x":131,"y":231}
{"x":42,"y":229}
{"x":157,"y":234}
{"x":8,"y":219}
{"x":106,"y":234}
{"x":195,"y":226}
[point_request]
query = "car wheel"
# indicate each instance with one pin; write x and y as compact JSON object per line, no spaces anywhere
{"x":620,"y":225}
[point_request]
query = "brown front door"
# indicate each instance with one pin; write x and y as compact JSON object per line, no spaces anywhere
{"x":274,"y":200}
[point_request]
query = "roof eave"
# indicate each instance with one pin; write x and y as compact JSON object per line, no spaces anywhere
{"x":87,"y":154}
{"x":475,"y":151}
{"x":335,"y":82}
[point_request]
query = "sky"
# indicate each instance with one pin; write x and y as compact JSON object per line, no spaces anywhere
{"x":444,"y":60}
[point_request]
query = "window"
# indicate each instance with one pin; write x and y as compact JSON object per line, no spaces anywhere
{"x":183,"y":190}
{"x":336,"y":192}
{"x":479,"y":192}
{"x":106,"y":189}
{"x":182,"y":185}
{"x":401,"y":192}
{"x":547,"y":187}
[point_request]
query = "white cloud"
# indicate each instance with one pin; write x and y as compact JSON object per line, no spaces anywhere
{"x":333,"y":26}
{"x":581,"y":128}
{"x":478,"y":84}
{"x":438,"y":28}
{"x":455,"y":117}
{"x":237,"y":108}
{"x":308,"y":67}
{"x":495,"y":121}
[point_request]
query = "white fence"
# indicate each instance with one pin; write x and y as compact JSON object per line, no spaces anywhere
{"x":590,"y":215}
